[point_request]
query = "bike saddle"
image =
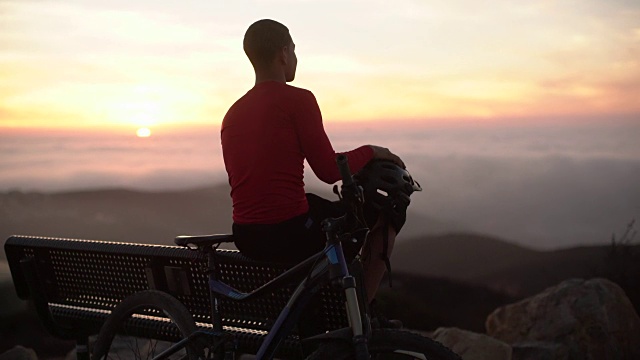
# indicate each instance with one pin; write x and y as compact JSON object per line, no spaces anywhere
{"x":203,"y":240}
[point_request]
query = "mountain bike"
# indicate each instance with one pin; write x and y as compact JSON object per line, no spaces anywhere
{"x":360,"y":340}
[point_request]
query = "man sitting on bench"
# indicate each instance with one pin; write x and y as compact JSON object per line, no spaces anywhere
{"x":266,"y":136}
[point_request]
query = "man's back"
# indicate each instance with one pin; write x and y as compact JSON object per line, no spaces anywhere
{"x":262,"y":152}
{"x":266,"y":136}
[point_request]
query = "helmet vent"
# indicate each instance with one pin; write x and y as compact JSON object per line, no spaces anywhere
{"x":382,"y":192}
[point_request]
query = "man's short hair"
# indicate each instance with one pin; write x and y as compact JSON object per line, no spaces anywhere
{"x":263,"y":39}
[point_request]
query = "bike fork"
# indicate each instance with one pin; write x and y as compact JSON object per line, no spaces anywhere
{"x":361,"y":349}
{"x":353,"y":308}
{"x":348,"y":283}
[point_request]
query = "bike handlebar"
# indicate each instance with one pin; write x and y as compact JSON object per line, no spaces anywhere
{"x":345,"y":172}
{"x":351,"y":195}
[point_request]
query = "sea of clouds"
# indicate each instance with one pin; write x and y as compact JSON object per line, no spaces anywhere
{"x":544,"y":186}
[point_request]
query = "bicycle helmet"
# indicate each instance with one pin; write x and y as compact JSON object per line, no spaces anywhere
{"x":387,"y":187}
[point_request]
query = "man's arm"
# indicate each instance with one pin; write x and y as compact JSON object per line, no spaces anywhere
{"x":319,"y":151}
{"x":316,"y":145}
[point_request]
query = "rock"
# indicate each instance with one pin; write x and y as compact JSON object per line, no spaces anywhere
{"x":71,"y":355}
{"x":10,"y":303}
{"x":592,"y":319}
{"x":472,"y":346}
{"x":536,"y":350}
{"x":19,"y":353}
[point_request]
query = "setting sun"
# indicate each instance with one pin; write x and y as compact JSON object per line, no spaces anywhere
{"x":143,"y":132}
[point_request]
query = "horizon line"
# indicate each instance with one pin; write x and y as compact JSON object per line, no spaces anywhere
{"x":435,"y":122}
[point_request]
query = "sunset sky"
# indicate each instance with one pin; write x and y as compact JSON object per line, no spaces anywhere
{"x":122,"y":63}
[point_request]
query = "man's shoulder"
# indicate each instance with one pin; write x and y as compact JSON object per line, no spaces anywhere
{"x":298,"y":91}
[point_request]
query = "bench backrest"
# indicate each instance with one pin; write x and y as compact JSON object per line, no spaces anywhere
{"x":77,"y":275}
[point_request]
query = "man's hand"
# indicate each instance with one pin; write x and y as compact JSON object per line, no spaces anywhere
{"x":384,"y":154}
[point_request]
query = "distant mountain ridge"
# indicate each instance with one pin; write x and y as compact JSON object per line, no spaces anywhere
{"x":458,"y":256}
{"x":157,"y":217}
{"x":495,"y":263}
{"x":119,"y":214}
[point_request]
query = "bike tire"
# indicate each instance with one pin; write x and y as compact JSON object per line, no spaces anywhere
{"x":388,"y":344}
{"x":113,"y":341}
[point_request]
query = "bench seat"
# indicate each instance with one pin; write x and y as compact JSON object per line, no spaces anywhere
{"x":76,"y":283}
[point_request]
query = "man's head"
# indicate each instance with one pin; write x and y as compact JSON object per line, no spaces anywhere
{"x":269,"y":46}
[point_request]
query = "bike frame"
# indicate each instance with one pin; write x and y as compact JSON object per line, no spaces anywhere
{"x":330,"y":260}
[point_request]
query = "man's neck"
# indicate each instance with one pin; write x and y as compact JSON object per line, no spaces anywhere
{"x":270,"y":76}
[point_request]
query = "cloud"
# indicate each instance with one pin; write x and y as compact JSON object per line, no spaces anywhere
{"x":411,"y":59}
{"x":549,"y":202}
{"x":544,"y":185}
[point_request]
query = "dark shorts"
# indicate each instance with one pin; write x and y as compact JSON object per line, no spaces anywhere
{"x":296,"y":239}
{"x":293,"y":240}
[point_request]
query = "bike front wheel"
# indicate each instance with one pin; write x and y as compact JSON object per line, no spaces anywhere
{"x":144,"y":325}
{"x":389,"y":344}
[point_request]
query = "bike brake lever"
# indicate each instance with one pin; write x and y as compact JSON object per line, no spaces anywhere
{"x":337,"y":192}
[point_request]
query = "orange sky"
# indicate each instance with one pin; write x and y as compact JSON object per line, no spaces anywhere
{"x":84,"y":63}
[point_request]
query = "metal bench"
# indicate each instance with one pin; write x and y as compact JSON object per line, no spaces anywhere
{"x":75,"y":284}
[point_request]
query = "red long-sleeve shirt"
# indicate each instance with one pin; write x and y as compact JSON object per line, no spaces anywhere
{"x":266,"y":135}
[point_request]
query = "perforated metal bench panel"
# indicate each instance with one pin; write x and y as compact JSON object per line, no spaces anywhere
{"x":83,"y":280}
